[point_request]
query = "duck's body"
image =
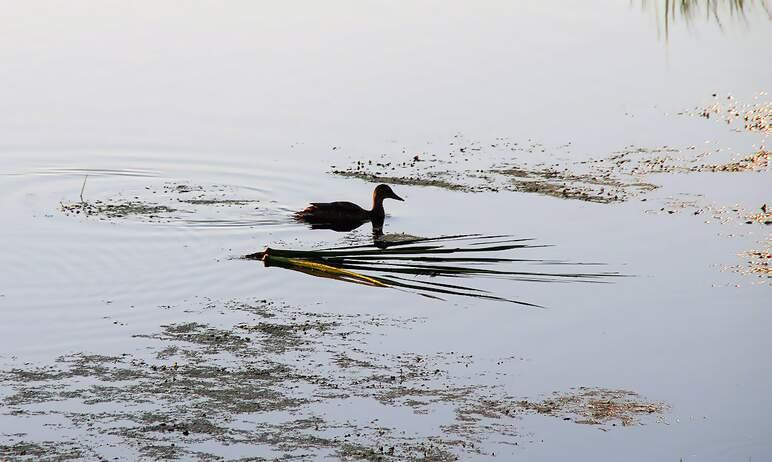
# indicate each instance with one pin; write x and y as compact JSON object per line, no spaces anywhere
{"x":334,"y":211}
{"x":342,"y":215}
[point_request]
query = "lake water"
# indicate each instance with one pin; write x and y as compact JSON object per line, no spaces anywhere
{"x":162,"y":103}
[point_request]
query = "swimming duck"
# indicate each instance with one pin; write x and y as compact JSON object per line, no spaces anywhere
{"x":343,"y":215}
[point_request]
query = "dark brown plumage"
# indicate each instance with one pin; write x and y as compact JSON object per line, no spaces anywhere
{"x":346,"y":215}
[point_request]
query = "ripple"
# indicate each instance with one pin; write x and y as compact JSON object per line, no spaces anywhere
{"x":72,"y":273}
{"x":66,"y":267}
{"x":95,"y":172}
{"x":231,"y":223}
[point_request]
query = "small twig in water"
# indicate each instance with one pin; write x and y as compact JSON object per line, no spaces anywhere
{"x":83,"y":187}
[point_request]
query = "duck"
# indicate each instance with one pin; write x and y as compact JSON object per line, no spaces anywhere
{"x":343,"y":215}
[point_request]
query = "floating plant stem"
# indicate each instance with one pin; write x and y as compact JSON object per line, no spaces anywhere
{"x":83,"y":188}
{"x":408,"y":263}
{"x":318,"y":269}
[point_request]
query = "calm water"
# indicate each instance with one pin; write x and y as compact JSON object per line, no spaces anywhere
{"x":249,"y":100}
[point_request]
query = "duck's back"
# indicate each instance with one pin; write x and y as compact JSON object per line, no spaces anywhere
{"x":333,"y":211}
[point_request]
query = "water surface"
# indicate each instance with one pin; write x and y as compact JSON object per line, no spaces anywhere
{"x":255,"y":103}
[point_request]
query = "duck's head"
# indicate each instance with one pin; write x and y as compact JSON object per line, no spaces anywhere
{"x":383,"y":191}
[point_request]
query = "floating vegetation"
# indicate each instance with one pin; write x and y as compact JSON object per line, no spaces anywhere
{"x":758,"y":262}
{"x":416,"y":180}
{"x":201,"y":392}
{"x":200,"y":195}
{"x":490,"y":167}
{"x":408,"y":264}
{"x":503,"y":164}
{"x":764,"y":216}
{"x":751,"y":163}
{"x":755,"y":117}
{"x":600,"y":187}
{"x":547,"y":181}
{"x":595,"y":406}
{"x":694,"y":204}
{"x":115,"y":209}
{"x":212,"y":205}
{"x":618,"y":177}
{"x":639,"y":161}
{"x":21,"y":450}
{"x":218,"y":201}
{"x":500,"y":165}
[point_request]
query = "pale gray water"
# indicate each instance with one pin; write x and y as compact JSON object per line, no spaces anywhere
{"x":248,"y":99}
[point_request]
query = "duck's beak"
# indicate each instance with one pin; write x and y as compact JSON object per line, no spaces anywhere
{"x":395,"y":196}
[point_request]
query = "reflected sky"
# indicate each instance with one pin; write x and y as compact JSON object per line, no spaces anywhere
{"x":214,"y":77}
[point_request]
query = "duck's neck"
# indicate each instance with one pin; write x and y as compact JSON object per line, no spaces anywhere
{"x":377,"y":213}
